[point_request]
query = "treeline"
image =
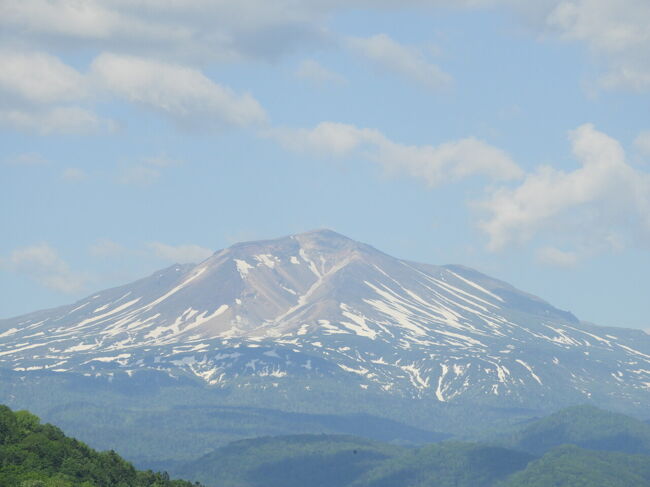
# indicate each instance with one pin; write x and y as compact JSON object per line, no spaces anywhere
{"x":40,"y":455}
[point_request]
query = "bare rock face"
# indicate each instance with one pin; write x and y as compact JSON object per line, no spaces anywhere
{"x":319,"y":305}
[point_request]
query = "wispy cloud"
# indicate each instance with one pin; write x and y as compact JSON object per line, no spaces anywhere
{"x":408,"y":61}
{"x":555,"y":257}
{"x":58,"y":120}
{"x":183,"y":94}
{"x":434,"y":165}
{"x":42,"y":263}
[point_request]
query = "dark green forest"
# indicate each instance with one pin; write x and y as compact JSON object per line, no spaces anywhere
{"x":576,"y":447}
{"x":41,"y":455}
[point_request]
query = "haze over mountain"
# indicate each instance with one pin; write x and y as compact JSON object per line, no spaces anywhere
{"x":321,"y":307}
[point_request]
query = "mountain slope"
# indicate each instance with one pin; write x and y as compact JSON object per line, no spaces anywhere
{"x":319,"y":308}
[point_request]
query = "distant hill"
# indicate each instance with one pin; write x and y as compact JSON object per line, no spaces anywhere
{"x":341,"y":461}
{"x":566,"y":449}
{"x":449,"y":464}
{"x":587,"y":427}
{"x":570,"y":466}
{"x":40,"y":455}
{"x":290,"y":461}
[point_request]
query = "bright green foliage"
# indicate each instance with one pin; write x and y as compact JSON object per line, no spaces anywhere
{"x":40,"y":455}
{"x":570,"y":466}
{"x":587,"y":427}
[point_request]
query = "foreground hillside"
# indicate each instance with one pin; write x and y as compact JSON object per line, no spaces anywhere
{"x":40,"y":455}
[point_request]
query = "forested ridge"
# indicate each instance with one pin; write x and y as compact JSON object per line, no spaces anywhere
{"x":41,"y":455}
{"x":581,"y":446}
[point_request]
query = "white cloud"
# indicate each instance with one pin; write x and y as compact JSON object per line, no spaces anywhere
{"x":642,"y":143}
{"x":313,"y":71}
{"x":203,"y":31}
{"x":448,"y":162}
{"x":615,"y":29}
{"x":38,"y":78}
{"x":180,"y":254}
{"x":200,"y":30}
{"x":183,"y":94}
{"x":36,"y":92}
{"x":57,"y":120}
{"x":43,"y":264}
{"x":603,"y":204}
{"x":407,"y":61}
{"x":557,"y":258}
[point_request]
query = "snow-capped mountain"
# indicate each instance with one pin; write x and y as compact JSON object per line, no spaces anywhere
{"x":319,"y":305}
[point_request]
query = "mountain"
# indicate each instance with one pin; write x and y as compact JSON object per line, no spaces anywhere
{"x":40,"y":455}
{"x":586,"y":427}
{"x":321,"y":306}
{"x":320,"y":327}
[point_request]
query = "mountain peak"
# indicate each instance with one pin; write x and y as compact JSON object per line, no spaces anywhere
{"x":321,"y":303}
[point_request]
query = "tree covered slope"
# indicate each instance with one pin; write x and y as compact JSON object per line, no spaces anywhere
{"x":577,"y":447}
{"x":587,"y":427}
{"x":570,"y":466}
{"x":40,"y":455}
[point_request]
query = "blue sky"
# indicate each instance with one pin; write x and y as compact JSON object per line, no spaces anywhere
{"x":513,"y":139}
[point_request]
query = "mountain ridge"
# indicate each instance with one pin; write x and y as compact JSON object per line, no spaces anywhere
{"x":320,"y":306}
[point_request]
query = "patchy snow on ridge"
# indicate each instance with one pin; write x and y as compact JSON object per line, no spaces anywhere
{"x":321,"y":306}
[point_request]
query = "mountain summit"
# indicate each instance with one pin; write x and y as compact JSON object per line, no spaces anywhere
{"x":319,"y":305}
